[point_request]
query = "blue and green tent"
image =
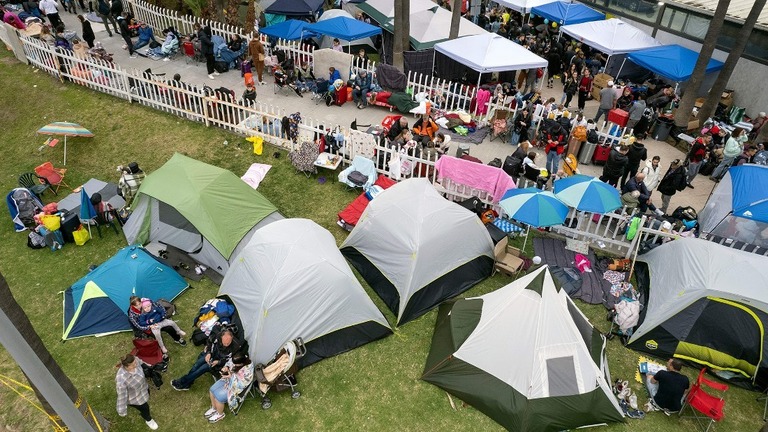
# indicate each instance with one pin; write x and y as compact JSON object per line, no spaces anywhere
{"x":97,"y":304}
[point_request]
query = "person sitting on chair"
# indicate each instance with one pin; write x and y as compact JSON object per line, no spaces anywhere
{"x":667,"y":387}
{"x":130,"y":180}
{"x":397,"y":127}
{"x":333,"y":74}
{"x":424,"y":129}
{"x":134,"y":311}
{"x":214,"y":356}
{"x":154,"y":317}
{"x":168,"y":47}
{"x":361,"y":88}
{"x":236,"y":376}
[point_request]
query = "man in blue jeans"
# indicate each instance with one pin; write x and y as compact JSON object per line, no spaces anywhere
{"x":607,"y":101}
{"x":215,"y":355}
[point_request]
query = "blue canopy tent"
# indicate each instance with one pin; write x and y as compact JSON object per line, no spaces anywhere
{"x":671,"y":61}
{"x":344,"y":28}
{"x":289,"y":30}
{"x":566,"y":12}
{"x":98,"y":303}
{"x":296,"y":8}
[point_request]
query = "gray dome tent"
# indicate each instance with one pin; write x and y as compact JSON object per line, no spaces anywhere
{"x":289,"y":281}
{"x":416,"y":249}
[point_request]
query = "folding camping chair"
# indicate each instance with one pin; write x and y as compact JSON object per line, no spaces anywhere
{"x":303,"y":158}
{"x":54,"y":176}
{"x":361,"y":174}
{"x":706,"y":408}
{"x":280,"y":372}
{"x":501,"y":125}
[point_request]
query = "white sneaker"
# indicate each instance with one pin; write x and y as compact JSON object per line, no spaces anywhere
{"x":211,"y":411}
{"x":133,"y":56}
{"x":216,"y":417}
{"x":211,"y":76}
{"x":263,"y":82}
{"x":166,"y":59}
{"x":152,"y":424}
{"x":216,"y":73}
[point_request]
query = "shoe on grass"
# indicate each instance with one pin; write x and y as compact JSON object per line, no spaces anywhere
{"x":211,"y":411}
{"x":152,"y":424}
{"x":176,"y":386}
{"x":216,"y":417}
{"x":181,"y":342}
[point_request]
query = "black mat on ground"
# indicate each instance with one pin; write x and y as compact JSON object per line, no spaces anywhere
{"x":475,"y":137}
{"x":594,"y":289}
{"x":181,"y":262}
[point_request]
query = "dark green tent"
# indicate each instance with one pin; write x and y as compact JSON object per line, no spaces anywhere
{"x":525,"y":356}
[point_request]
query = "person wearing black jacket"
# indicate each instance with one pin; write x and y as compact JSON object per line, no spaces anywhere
{"x":103,"y":12}
{"x":637,"y":153}
{"x":206,"y":47}
{"x":218,"y":350}
{"x":673,"y":181}
{"x":614,"y":167}
{"x":88,"y":35}
{"x":116,"y":8}
{"x":520,"y":127}
{"x":397,"y":127}
{"x":125,"y":32}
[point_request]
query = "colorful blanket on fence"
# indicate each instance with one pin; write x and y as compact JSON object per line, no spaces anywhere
{"x":483,"y":177}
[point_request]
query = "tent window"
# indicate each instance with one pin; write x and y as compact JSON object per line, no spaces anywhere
{"x":561,"y":374}
{"x":172,"y":217}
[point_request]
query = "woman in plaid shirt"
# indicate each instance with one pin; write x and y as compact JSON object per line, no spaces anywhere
{"x":132,"y":389}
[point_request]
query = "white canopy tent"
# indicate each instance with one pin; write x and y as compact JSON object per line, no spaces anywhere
{"x":384,"y":10}
{"x":432,"y":26}
{"x":490,"y":53}
{"x":612,"y":36}
{"x":523,"y":6}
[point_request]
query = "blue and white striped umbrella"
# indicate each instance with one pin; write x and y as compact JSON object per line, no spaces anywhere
{"x":534,"y":207}
{"x":588,"y":194}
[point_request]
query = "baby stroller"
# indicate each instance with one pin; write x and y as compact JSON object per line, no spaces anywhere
{"x":284,"y":80}
{"x":321,"y":90}
{"x":625,"y":314}
{"x":280,"y":372}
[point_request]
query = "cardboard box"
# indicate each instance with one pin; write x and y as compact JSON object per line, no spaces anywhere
{"x":699,"y":102}
{"x":693,"y":123}
{"x":599,"y":82}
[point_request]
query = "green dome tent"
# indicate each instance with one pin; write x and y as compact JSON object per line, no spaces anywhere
{"x":525,"y":356}
{"x":204,"y":210}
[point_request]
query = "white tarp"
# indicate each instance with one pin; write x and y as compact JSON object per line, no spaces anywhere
{"x":290,"y":281}
{"x":612,"y":36}
{"x":490,"y":53}
{"x":523,"y":6}
{"x":685,"y":270}
{"x":434,"y":25}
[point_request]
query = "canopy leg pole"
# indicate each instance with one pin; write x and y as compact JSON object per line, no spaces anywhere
{"x":544,"y":77}
{"x":65,"y":149}
{"x":433,"y":63}
{"x":480,"y":75}
{"x":605,"y":68}
{"x":620,"y":67}
{"x":525,"y":242}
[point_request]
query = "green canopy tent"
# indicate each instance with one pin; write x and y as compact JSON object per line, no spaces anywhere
{"x":204,"y":210}
{"x":525,"y":356}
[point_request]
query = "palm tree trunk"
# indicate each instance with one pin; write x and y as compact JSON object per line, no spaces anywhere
{"x":232,"y":13}
{"x":692,"y":87}
{"x":24,"y":344}
{"x":400,"y":29}
{"x":455,"y":19}
{"x":708,"y":109}
{"x":250,"y":17}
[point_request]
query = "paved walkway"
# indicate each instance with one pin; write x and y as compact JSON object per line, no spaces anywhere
{"x":195,"y":73}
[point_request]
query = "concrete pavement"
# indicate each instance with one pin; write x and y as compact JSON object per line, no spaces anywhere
{"x":195,"y":73}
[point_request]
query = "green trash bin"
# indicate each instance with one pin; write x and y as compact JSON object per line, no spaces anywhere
{"x":663,"y":126}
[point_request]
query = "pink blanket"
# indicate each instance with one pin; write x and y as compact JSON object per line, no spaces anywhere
{"x":487,"y":178}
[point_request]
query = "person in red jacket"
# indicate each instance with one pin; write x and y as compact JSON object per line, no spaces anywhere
{"x":696,"y":156}
{"x":555,"y":148}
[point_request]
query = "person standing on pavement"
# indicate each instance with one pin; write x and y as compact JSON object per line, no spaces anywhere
{"x":696,"y":156}
{"x":733,"y":148}
{"x":116,"y":9}
{"x":256,"y":51}
{"x":51,"y":10}
{"x":673,"y":181}
{"x":103,"y":12}
{"x":125,"y":32}
{"x":652,"y":172}
{"x":88,"y":35}
{"x":637,"y":154}
{"x":585,"y":88}
{"x":607,"y":101}
{"x":206,"y":47}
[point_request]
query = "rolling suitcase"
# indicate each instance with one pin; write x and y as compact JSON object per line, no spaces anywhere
{"x":245,"y":67}
{"x":70,"y":222}
{"x":512,"y":165}
{"x":601,"y":154}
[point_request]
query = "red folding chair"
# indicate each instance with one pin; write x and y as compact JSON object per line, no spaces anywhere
{"x":706,"y":408}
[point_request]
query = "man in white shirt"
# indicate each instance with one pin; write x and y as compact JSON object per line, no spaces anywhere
{"x":51,"y":11}
{"x":652,"y":173}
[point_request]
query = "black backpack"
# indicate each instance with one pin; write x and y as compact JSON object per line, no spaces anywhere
{"x":35,"y":240}
{"x":220,"y":66}
{"x":592,"y":136}
{"x":496,"y":162}
{"x":512,"y":165}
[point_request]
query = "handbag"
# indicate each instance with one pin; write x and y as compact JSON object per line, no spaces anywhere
{"x":81,"y":236}
{"x":51,"y":222}
{"x":261,"y":57}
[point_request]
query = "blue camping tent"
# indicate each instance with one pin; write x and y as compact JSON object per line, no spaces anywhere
{"x":671,"y":61}
{"x":98,"y":303}
{"x":749,"y":202}
{"x":289,"y":30}
{"x":295,"y":7}
{"x":344,"y":28}
{"x":566,"y":12}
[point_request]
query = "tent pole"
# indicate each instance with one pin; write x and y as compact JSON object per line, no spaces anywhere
{"x":480,"y":75}
{"x":432,"y":72}
{"x":543,"y":78}
{"x":65,"y":149}
{"x":525,"y":242}
{"x":620,"y":67}
{"x":605,"y":69}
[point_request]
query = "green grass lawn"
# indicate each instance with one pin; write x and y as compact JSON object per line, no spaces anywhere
{"x":375,"y":387}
